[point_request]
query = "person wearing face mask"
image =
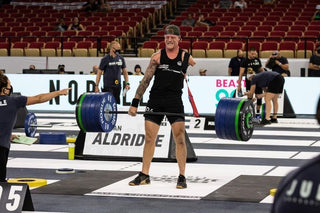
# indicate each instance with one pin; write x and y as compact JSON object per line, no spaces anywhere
{"x":111,"y":66}
{"x":234,"y":64}
{"x":9,"y":106}
{"x":314,"y":64}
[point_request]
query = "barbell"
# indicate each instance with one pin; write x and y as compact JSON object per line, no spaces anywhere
{"x":234,"y":117}
{"x":97,"y":112}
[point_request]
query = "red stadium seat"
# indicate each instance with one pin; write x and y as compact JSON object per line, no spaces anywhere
{"x":260,"y":35}
{"x":150,"y":44}
{"x":313,"y":28}
{"x":300,"y":28}
{"x":52,"y":45}
{"x":200,"y":45}
{"x":107,"y":27}
{"x":186,"y":45}
{"x":162,"y":45}
{"x":288,"y":46}
{"x":55,"y":35}
{"x":125,"y":28}
{"x":270,"y":22}
{"x":234,"y":28}
{"x":216,"y":28}
{"x":221,"y":45}
{"x":37,"y":45}
{"x":311,"y":34}
{"x":265,"y":28}
{"x":186,"y":28}
{"x":252,"y":28}
{"x":4,"y":45}
{"x":92,"y":28}
{"x":208,"y":36}
{"x":69,"y":33}
{"x":225,"y":36}
{"x":69,"y":45}
{"x":255,"y":44}
{"x":20,"y":45}
{"x":234,"y":45}
{"x":16,"y":29}
{"x":84,"y":44}
{"x":254,"y":23}
{"x":269,"y":45}
{"x":276,"y":36}
{"x":195,"y":34}
{"x":281,"y":28}
{"x":200,"y":28}
{"x":309,"y":45}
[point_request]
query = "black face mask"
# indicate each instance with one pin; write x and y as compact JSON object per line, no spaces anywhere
{"x":318,"y":51}
{"x":10,"y":91}
{"x":117,"y":51}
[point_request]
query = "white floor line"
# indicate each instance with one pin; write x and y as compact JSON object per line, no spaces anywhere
{"x":271,"y":142}
{"x":244,"y":153}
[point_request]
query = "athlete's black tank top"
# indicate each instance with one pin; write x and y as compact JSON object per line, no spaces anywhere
{"x":169,"y":75}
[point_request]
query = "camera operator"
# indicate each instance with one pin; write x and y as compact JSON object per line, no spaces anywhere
{"x":279,"y":64}
{"x":61,"y":69}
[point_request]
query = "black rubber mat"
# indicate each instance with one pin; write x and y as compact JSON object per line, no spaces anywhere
{"x":245,"y":188}
{"x":83,"y":182}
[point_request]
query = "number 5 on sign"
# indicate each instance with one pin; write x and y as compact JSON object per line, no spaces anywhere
{"x":15,"y":198}
{"x":197,"y":123}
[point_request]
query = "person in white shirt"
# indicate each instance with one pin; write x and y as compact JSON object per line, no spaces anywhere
{"x":240,"y":4}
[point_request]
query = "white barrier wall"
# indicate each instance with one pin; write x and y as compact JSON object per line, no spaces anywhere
{"x":215,"y":67}
{"x":207,"y":91}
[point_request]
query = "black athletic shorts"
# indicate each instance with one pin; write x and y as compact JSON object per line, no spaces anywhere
{"x":276,"y":85}
{"x":4,"y":154}
{"x":115,"y":91}
{"x":161,"y":104}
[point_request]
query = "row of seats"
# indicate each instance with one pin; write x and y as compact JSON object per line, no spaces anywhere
{"x":138,"y":24}
{"x":198,"y":49}
{"x":54,"y":48}
{"x":44,"y":36}
{"x":258,"y":3}
{"x":260,"y":35}
{"x":202,"y":49}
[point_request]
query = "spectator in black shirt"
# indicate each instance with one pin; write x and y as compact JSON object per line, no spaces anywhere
{"x":234,"y":64}
{"x":279,"y":64}
{"x":204,"y":22}
{"x":314,"y":64}
{"x":90,"y":6}
{"x":252,"y":61}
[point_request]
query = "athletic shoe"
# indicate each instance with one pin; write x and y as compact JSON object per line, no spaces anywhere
{"x":274,"y":120}
{"x":141,"y":179}
{"x":181,"y":183}
{"x":265,"y":122}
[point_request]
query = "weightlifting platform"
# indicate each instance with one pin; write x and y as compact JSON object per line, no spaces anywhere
{"x":228,"y":176}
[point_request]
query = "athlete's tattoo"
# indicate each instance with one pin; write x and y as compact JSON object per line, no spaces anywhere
{"x":146,"y":79}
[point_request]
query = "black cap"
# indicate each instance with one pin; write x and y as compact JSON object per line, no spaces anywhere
{"x":172,"y":29}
